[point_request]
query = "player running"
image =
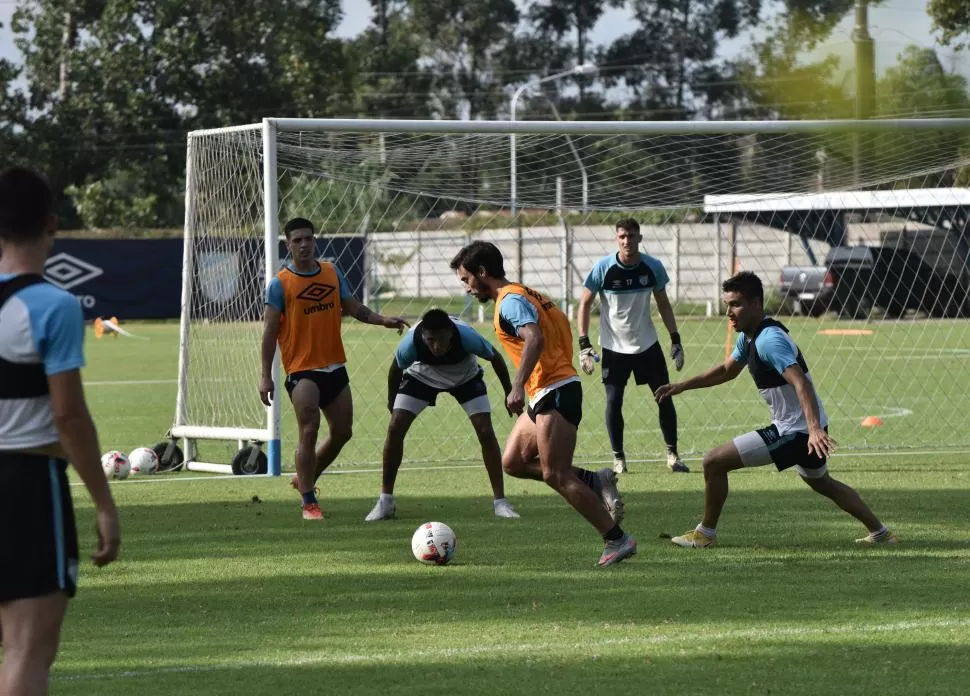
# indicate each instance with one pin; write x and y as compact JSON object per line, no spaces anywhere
{"x":536,"y":335}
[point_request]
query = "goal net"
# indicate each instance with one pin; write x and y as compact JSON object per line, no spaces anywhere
{"x":858,"y":231}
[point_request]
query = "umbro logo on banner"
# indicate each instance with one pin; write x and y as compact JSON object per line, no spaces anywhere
{"x":316,"y":292}
{"x":66,"y":271}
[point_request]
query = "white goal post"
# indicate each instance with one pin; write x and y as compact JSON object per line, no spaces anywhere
{"x":875,"y":207}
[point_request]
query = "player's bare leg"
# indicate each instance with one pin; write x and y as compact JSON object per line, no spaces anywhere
{"x":492,"y":456}
{"x":306,"y":405}
{"x":31,"y":634}
{"x":717,"y":463}
{"x":556,"y":441}
{"x":397,"y":430}
{"x":521,"y":456}
{"x":340,"y":428}
{"x":848,"y":499}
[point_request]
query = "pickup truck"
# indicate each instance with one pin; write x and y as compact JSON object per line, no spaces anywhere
{"x":854,"y":280}
{"x":807,"y":289}
{"x":842,"y":285}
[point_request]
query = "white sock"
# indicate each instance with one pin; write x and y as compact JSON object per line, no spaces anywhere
{"x":709,"y":533}
{"x":499,"y":500}
{"x":387,"y":498}
{"x":882,"y":531}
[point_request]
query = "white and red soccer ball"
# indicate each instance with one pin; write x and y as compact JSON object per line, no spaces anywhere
{"x":115,"y":465}
{"x":434,"y":543}
{"x":143,"y":461}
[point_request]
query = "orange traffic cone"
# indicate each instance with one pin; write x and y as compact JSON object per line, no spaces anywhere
{"x":871,"y":421}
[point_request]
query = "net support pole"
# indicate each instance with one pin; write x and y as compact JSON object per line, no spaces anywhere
{"x":271,"y":234}
{"x":188,"y":238}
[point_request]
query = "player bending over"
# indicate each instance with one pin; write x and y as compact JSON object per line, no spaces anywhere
{"x":536,"y":335}
{"x":438,"y":355}
{"x":798,"y":435}
{"x":304,"y":303}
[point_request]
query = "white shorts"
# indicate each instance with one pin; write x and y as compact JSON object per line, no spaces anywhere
{"x":767,"y":446}
{"x":414,"y":396}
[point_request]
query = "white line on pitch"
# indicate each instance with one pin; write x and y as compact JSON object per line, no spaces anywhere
{"x":351,"y":469}
{"x":410,"y":656}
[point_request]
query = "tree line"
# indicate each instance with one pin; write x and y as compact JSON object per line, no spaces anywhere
{"x":108,"y":89}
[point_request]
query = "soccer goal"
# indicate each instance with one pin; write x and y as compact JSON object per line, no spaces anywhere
{"x":858,"y":230}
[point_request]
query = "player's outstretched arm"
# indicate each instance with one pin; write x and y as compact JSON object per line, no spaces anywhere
{"x":502,"y":371}
{"x":79,"y":440}
{"x":366,"y":315}
{"x":271,"y":330}
{"x":819,"y":442}
{"x":394,"y":376}
{"x":719,"y":374}
{"x":534,"y":342}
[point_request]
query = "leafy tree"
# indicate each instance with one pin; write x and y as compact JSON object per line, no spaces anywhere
{"x":952,"y":19}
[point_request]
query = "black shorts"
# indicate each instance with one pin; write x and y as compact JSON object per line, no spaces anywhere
{"x":567,"y":399}
{"x":414,"y":395}
{"x":330,"y":384}
{"x":648,"y":367}
{"x":767,"y":446}
{"x":38,"y":538}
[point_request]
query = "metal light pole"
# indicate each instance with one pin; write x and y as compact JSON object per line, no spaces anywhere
{"x":582,"y":69}
{"x":579,"y":160}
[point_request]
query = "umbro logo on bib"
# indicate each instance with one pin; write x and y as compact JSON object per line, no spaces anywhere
{"x":315,"y":292}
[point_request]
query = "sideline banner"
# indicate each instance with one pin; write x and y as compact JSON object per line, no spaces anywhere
{"x":142,"y":278}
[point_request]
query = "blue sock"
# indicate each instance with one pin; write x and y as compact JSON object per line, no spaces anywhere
{"x":309,"y":498}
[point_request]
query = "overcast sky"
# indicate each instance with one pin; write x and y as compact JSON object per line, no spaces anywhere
{"x":894,"y":25}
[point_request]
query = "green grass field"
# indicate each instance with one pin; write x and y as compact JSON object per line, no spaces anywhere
{"x":217,"y":593}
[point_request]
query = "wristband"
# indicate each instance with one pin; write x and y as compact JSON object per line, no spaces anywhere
{"x":584,"y":343}
{"x":675,"y":338}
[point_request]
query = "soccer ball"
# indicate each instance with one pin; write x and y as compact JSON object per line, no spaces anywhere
{"x":434,"y":543}
{"x":143,"y":461}
{"x":115,"y":465}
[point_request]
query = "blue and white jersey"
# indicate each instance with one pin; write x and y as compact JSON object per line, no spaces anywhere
{"x":455,"y":367}
{"x":624,"y":292}
{"x":773,"y":352}
{"x":41,"y":334}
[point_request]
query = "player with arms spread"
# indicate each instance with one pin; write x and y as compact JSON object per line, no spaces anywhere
{"x":798,"y":436}
{"x":304,"y":304}
{"x":624,"y":282}
{"x":44,"y":424}
{"x":536,"y":335}
{"x":438,"y":355}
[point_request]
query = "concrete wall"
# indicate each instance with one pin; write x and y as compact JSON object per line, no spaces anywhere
{"x":697,"y":257}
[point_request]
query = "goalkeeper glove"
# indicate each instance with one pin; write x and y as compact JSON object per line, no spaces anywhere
{"x":677,"y":351}
{"x":587,"y":356}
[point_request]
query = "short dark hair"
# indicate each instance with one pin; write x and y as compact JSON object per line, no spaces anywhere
{"x":629,"y":224}
{"x":436,"y":320}
{"x":746,"y":284}
{"x":298,"y":224}
{"x":480,"y":255}
{"x":26,"y":203}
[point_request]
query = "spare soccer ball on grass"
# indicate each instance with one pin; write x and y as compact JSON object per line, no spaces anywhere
{"x":115,"y":465}
{"x":434,"y":543}
{"x":143,"y":461}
